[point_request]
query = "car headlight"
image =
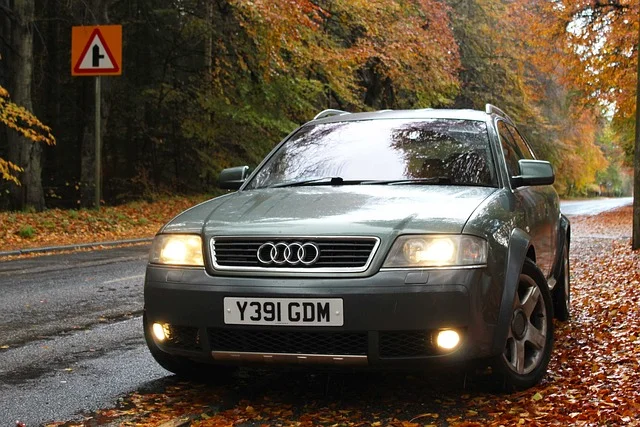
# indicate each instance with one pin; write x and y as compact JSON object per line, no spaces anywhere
{"x":436,"y":251}
{"x":177,"y":249}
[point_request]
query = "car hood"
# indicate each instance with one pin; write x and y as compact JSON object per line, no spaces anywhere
{"x":334,"y":210}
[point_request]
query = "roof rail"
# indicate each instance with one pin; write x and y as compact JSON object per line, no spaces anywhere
{"x":330,"y":112}
{"x":492,"y":109}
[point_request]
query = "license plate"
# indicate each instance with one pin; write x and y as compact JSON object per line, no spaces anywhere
{"x":283,"y":311}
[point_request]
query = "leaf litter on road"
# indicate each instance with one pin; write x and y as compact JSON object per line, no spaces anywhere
{"x":593,"y":379}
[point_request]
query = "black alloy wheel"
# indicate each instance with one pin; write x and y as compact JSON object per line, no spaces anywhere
{"x":527,"y":350}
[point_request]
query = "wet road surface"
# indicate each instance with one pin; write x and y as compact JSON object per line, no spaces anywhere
{"x":70,"y":333}
{"x":593,"y":206}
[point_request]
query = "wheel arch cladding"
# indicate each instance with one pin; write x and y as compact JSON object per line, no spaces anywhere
{"x":564,"y":236}
{"x":565,"y":226}
{"x":519,"y":248}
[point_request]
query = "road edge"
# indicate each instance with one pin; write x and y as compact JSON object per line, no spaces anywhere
{"x":47,"y":249}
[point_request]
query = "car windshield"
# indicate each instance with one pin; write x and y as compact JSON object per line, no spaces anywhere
{"x":391,"y":152}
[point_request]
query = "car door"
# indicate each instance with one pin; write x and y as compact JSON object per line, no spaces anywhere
{"x":552,"y":202}
{"x":539,"y":204}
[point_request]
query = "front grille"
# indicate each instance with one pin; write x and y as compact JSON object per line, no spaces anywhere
{"x":184,"y":338}
{"x":335,"y":254}
{"x":289,"y":342}
{"x":406,"y":344}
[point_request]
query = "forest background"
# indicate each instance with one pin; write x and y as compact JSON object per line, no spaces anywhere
{"x":209,"y":84}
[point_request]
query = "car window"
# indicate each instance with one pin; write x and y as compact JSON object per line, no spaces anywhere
{"x":510,"y":150}
{"x":377,"y":150}
{"x":521,"y":144}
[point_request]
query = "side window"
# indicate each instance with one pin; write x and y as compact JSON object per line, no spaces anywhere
{"x":509,"y":147}
{"x":522,"y":145}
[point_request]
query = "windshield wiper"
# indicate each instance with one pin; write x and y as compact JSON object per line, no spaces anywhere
{"x":336,"y":180}
{"x":412,"y":181}
{"x":333,"y":180}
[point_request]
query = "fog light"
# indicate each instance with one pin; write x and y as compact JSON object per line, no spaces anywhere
{"x":448,"y":339}
{"x":161,"y":331}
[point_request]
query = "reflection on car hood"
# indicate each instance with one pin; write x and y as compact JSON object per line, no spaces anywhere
{"x":329,"y":210}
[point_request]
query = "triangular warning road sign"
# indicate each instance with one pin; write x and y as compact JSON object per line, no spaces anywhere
{"x":96,"y":56}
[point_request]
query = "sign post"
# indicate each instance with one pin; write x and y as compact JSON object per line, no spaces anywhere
{"x":97,"y":51}
{"x":98,"y":133}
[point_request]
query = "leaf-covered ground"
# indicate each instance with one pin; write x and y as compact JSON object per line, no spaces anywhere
{"x":593,"y":380}
{"x":55,"y":227}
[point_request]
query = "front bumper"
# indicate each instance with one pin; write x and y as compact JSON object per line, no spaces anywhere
{"x":390,"y":318}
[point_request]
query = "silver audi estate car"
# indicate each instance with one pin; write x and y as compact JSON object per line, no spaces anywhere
{"x":391,"y":239}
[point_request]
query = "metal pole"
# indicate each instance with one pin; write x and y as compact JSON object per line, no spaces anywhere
{"x":98,"y":145}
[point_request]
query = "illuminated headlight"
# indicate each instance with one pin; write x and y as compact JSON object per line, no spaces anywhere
{"x":177,"y":249}
{"x":448,"y":339}
{"x":437,"y":251}
{"x":161,"y":331}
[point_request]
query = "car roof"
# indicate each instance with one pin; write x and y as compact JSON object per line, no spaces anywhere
{"x":330,"y":116}
{"x":425,"y":113}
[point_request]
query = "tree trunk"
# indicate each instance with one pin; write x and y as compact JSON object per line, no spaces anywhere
{"x":5,"y":36}
{"x":208,"y":40}
{"x":635,"y":244}
{"x":21,"y":150}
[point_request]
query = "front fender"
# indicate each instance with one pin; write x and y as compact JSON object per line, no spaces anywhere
{"x":519,"y":243}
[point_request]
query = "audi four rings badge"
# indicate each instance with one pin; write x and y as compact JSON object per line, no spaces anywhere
{"x":282,"y":253}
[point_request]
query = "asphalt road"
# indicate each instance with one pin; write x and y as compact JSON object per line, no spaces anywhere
{"x":593,"y":206}
{"x":72,"y":324}
{"x":70,"y":332}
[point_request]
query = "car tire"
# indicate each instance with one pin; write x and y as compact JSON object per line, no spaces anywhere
{"x":182,"y":366}
{"x":562,"y":290}
{"x":527,"y":351}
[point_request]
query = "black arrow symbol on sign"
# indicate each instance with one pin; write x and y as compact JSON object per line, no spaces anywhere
{"x":96,"y":56}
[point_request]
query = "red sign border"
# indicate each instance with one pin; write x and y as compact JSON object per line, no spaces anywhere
{"x":116,"y":67}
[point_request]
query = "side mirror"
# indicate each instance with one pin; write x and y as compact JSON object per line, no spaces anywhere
{"x":233,"y":178}
{"x":533,"y":172}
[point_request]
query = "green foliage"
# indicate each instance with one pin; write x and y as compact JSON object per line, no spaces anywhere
{"x":623,"y":130}
{"x":49,"y":225}
{"x":615,"y":180}
{"x":26,"y":232}
{"x":275,"y":65}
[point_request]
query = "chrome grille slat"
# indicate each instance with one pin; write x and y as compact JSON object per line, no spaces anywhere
{"x":336,"y":253}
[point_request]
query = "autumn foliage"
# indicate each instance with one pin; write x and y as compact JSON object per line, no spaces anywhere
{"x":589,"y":49}
{"x":405,"y":46}
{"x":225,"y":80}
{"x":596,"y":42}
{"x":24,"y":122}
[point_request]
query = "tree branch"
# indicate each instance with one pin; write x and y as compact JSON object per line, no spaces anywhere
{"x":7,"y":12}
